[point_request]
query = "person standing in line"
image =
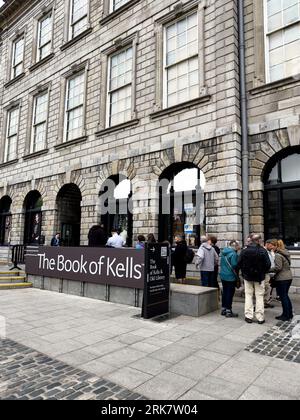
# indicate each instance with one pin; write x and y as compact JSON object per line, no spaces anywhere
{"x":254,"y":262}
{"x":151,"y":239}
{"x":55,"y":241}
{"x":214,"y":241}
{"x":97,"y":236}
{"x":283,"y":280}
{"x":206,"y":260}
{"x":270,"y":243}
{"x":116,"y":241}
{"x":229,"y":277}
{"x":179,"y":259}
{"x":140,"y":242}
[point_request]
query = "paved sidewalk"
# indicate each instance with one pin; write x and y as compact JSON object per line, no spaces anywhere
{"x":181,"y":358}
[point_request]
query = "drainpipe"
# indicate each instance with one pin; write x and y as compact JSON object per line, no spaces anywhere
{"x":244,"y":121}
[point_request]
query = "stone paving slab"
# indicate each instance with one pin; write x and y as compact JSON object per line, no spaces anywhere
{"x":27,"y":374}
{"x":179,"y":358}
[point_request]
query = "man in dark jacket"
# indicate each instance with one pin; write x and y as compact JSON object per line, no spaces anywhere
{"x":254,"y":263}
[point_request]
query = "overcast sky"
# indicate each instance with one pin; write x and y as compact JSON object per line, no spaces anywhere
{"x":1,"y":2}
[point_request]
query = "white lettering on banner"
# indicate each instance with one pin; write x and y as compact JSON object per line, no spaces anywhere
{"x":138,"y":271}
{"x":60,"y":263}
{"x":120,"y":269}
{"x":83,"y":265}
{"x":95,"y":269}
{"x":109,"y":267}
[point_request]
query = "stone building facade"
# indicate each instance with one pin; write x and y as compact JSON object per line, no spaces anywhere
{"x":202,"y":131}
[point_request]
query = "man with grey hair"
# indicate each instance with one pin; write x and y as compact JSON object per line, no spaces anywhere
{"x":206,"y":260}
{"x":254,"y":262}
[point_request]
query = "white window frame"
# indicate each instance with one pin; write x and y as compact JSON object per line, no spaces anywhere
{"x":110,"y":92}
{"x":8,"y":119}
{"x":71,"y":24}
{"x":112,"y":8}
{"x":13,"y":66}
{"x":267,"y":35}
{"x":66,"y":110}
{"x":166,"y":67}
{"x":34,"y":125}
{"x":38,"y":46}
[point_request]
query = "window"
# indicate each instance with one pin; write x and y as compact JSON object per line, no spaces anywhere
{"x":282,"y":201}
{"x":39,"y":122}
{"x":282,"y":38}
{"x":120,"y":87}
{"x":74,"y":107}
{"x":44,"y":36}
{"x":12,"y":135}
{"x":116,"y":4}
{"x":78,"y":17}
{"x":18,"y":57}
{"x":181,"y":61}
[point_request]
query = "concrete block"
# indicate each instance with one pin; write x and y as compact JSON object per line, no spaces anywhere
{"x":193,"y":300}
{"x":72,"y":287}
{"x":95,"y":291}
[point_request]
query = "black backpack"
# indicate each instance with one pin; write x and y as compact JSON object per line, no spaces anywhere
{"x":189,"y":256}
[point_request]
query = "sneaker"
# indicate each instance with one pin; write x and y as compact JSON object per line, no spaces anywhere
{"x":223,"y":313}
{"x":282,"y":318}
{"x":230,"y":314}
{"x":249,"y":321}
{"x":261,"y":322}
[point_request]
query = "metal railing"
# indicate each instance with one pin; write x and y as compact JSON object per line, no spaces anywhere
{"x":17,"y":256}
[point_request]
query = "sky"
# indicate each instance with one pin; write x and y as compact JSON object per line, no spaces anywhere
{"x":1,"y":2}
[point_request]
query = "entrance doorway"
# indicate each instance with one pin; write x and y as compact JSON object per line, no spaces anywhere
{"x":33,"y":204}
{"x":69,"y":214}
{"x":5,"y":220}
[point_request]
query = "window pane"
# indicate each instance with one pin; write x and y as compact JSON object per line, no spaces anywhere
{"x":290,"y":168}
{"x":39,"y":137}
{"x":45,"y":36}
{"x":75,"y":91}
{"x":116,"y":4}
{"x":291,"y":216}
{"x":13,"y":122}
{"x":79,"y":16}
{"x":182,"y":39}
{"x":75,"y":123}
{"x":273,"y":177}
{"x":41,"y":104}
{"x":272,"y":215}
{"x":18,"y":54}
{"x":183,"y":82}
{"x":120,"y":106}
{"x":121,"y":69}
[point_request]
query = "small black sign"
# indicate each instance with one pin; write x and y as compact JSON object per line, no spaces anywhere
{"x":157,"y":281}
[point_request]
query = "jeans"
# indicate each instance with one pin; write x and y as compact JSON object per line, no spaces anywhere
{"x":283,"y":288}
{"x":207,"y":278}
{"x":228,"y":293}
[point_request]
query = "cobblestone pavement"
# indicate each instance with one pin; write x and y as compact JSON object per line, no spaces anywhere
{"x":29,"y":375}
{"x":63,"y":346}
{"x":279,"y":342}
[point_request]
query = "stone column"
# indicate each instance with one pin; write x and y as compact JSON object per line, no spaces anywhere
{"x":49,"y":224}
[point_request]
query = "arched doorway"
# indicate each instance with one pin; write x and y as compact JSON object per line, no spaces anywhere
{"x":282,"y":197}
{"x":33,"y":204}
{"x":5,"y":220}
{"x":69,"y":214}
{"x":181,"y":203}
{"x":116,"y":214}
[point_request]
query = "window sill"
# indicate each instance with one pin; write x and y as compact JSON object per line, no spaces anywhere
{"x":15,"y":80}
{"x":179,"y":107}
{"x":11,"y":162}
{"x":118,"y":127}
{"x":107,"y":18}
{"x":41,"y":62}
{"x":77,"y":38}
{"x":35,"y":154}
{"x":70,"y":143}
{"x":275,"y":85}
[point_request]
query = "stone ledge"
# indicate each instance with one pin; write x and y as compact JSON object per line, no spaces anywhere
{"x":70,"y":143}
{"x":275,"y":85}
{"x":15,"y":80}
{"x":180,"y":107}
{"x":77,"y":38}
{"x":193,"y":301}
{"x":118,"y":127}
{"x":107,"y":18}
{"x":41,"y":62}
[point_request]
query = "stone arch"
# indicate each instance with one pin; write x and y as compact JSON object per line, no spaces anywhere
{"x":125,"y":167}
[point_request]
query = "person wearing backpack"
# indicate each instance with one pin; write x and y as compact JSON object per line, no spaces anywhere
{"x":283,"y":280}
{"x":179,"y":259}
{"x":254,"y":262}
{"x":229,"y":277}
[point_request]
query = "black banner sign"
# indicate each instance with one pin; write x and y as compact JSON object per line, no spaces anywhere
{"x":157,"y":281}
{"x":117,"y":267}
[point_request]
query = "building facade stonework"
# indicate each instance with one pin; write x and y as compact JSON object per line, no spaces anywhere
{"x":203,"y":131}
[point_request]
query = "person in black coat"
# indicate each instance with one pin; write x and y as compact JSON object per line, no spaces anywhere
{"x":214,"y":241}
{"x":179,"y":259}
{"x":97,"y":237}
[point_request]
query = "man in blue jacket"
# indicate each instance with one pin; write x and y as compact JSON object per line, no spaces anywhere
{"x":229,"y":261}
